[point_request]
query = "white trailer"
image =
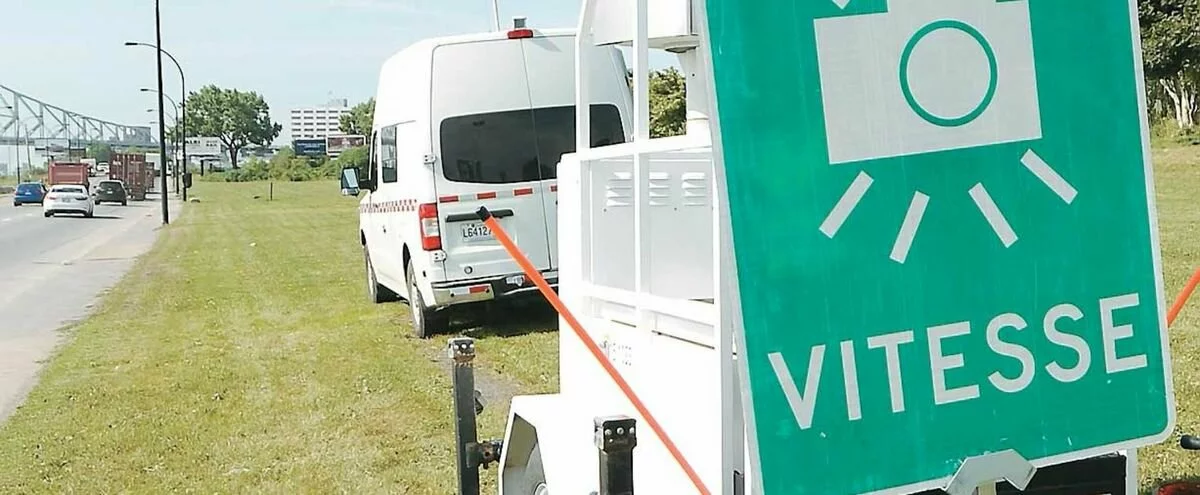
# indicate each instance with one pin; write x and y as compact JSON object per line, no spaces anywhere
{"x":646,"y":272}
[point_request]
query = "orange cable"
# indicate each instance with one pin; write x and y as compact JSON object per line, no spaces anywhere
{"x":1183,"y":297}
{"x":551,"y":296}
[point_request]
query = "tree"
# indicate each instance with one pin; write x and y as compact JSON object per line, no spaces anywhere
{"x":100,"y":151}
{"x":1171,"y":53}
{"x":668,"y":103}
{"x":237,"y":118}
{"x":360,"y":119}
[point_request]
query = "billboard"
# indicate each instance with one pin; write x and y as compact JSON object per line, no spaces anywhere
{"x":335,"y":145}
{"x":203,"y":146}
{"x":309,"y":147}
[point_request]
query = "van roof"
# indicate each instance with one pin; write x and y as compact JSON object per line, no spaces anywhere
{"x":427,"y":45}
{"x":491,"y":36}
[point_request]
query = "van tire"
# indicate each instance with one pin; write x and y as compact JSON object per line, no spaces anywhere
{"x":533,"y":480}
{"x":376,"y":292}
{"x":426,"y":322}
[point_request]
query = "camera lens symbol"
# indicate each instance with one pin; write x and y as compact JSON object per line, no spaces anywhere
{"x":905,"y":86}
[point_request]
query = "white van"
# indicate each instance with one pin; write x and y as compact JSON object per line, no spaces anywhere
{"x":469,"y":121}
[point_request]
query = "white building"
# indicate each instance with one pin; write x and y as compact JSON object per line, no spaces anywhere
{"x":318,"y":122}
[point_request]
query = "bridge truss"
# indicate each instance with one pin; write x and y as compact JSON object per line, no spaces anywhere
{"x":27,"y":121}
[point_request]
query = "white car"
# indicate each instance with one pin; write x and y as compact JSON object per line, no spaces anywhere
{"x":68,"y":198}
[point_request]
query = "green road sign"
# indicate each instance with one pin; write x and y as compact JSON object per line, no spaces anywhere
{"x":945,"y":234}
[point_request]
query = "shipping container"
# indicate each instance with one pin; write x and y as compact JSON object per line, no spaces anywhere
{"x":69,"y":173}
{"x":130,"y":168}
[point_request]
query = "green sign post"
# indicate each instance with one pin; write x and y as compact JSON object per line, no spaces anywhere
{"x":944,"y":224}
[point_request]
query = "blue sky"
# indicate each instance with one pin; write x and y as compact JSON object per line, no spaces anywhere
{"x":294,"y":52}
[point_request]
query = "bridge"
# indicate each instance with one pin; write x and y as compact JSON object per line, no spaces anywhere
{"x":25,"y":121}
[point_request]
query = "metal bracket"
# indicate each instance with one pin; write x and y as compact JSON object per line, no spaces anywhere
{"x":615,"y":437}
{"x":483,"y":454}
{"x":462,"y":351}
{"x":430,"y":159}
{"x":979,"y":474}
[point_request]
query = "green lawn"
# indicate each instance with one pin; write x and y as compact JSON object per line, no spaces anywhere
{"x":241,"y":356}
{"x":1177,"y":179}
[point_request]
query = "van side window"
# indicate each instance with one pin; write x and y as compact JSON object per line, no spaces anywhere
{"x":373,"y":160}
{"x":387,"y":152}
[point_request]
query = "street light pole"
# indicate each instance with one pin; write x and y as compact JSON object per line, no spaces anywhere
{"x":176,"y":141}
{"x":183,"y":92}
{"x":162,"y":127}
{"x":16,"y":132}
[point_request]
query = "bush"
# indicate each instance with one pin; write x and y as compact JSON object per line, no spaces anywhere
{"x":285,"y":166}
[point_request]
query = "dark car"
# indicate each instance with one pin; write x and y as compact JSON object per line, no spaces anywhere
{"x":112,"y":191}
{"x":29,"y":192}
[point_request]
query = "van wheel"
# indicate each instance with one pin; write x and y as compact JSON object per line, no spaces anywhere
{"x":376,"y":292}
{"x":534,"y":480}
{"x":426,"y":322}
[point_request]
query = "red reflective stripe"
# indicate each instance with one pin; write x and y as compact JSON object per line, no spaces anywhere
{"x":448,"y":199}
{"x":523,"y":192}
{"x":478,"y":289}
{"x":486,"y":195}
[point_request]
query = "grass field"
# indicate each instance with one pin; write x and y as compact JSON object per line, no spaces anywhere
{"x":241,"y":356}
{"x":1177,"y":180}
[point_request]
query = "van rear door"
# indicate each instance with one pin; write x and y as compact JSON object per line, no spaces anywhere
{"x":484,"y":137}
{"x":554,"y":116}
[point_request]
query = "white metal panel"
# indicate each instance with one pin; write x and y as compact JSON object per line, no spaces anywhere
{"x":669,"y":22}
{"x":550,"y":85}
{"x":679,"y":216}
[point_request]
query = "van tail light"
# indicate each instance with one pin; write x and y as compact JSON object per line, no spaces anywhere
{"x":520,"y":33}
{"x":431,"y":236}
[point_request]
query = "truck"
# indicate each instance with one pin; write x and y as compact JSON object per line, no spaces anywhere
{"x":659,"y":389}
{"x":91,"y":165}
{"x":130,"y":168}
{"x":68,"y":173}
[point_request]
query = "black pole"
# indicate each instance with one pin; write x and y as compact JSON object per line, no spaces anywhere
{"x":162,"y":127}
{"x":615,"y":438}
{"x":183,"y":124}
{"x":17,"y":131}
{"x":462,"y":352}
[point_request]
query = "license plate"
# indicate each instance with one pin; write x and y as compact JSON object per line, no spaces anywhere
{"x":476,"y":232}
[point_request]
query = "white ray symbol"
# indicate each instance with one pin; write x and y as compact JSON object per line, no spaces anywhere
{"x":908,"y":229}
{"x":846,"y":204}
{"x":992,"y":213}
{"x":1048,"y":176}
{"x":920,"y":202}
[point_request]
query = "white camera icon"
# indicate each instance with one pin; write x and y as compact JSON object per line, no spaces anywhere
{"x":926,"y":76}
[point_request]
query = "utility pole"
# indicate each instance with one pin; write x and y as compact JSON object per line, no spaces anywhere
{"x":162,"y":127}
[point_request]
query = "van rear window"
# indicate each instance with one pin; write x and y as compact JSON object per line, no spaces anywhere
{"x":519,"y":145}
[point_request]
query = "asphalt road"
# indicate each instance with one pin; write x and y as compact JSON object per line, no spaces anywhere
{"x":51,"y":272}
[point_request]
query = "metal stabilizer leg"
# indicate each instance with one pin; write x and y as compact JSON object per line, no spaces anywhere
{"x":471,"y":453}
{"x":616,"y":437}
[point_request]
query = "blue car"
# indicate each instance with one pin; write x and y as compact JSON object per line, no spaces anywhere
{"x":29,"y":192}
